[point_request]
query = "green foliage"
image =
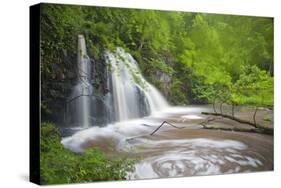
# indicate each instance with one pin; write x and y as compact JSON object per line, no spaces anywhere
{"x":185,"y":46}
{"x":160,"y":65}
{"x":59,"y":165}
{"x":267,"y":118}
{"x":177,"y":96}
{"x":254,"y":87}
{"x":209,"y":58}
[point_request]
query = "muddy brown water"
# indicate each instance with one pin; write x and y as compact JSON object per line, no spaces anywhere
{"x":173,"y":152}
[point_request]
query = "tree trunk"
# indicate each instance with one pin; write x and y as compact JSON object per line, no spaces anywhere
{"x":253,"y":130}
{"x":221,"y":107}
{"x":214,"y":105}
{"x":233,"y":118}
{"x":140,"y":46}
{"x":254,"y":116}
{"x":232,"y":110}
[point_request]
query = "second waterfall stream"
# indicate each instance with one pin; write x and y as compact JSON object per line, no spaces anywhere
{"x":133,"y":96}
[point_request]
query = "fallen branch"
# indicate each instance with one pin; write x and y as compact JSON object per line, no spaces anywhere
{"x":256,"y":127}
{"x":263,"y":130}
{"x":163,"y":123}
{"x":233,"y":118}
{"x":204,"y":123}
{"x":253,"y":130}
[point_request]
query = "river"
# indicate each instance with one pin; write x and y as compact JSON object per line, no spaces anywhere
{"x":174,"y":152}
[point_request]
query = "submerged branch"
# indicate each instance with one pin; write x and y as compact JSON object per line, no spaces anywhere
{"x":163,"y":123}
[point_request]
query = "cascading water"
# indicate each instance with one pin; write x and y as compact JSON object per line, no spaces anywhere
{"x":174,"y":152}
{"x":133,"y":96}
{"x":126,"y":94}
{"x":82,"y":91}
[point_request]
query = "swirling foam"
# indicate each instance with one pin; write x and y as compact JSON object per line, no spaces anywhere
{"x":174,"y":158}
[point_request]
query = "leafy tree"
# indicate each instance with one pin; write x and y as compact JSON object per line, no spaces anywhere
{"x":254,"y":87}
{"x":203,"y":54}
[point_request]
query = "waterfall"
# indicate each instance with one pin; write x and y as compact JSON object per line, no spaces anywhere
{"x":133,"y":96}
{"x":122,"y":95}
{"x":83,"y":90}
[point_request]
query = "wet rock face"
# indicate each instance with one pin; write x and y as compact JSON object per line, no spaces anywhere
{"x":99,"y":112}
{"x":165,"y":82}
{"x":114,"y":90}
{"x":100,"y":76}
{"x":57,"y":79}
{"x":163,"y":77}
{"x":143,"y":104}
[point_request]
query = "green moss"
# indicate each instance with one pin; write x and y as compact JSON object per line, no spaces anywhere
{"x":214,"y":126}
{"x":267,"y":118}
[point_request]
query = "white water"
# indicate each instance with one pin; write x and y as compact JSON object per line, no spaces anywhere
{"x":129,"y":95}
{"x":132,"y":94}
{"x":83,"y":89}
{"x":168,"y":157}
{"x":187,"y":157}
